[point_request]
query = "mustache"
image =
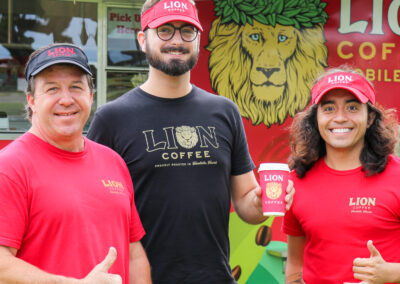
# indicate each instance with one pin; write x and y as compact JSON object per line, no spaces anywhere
{"x":175,"y":49}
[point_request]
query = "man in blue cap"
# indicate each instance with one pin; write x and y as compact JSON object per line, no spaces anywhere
{"x":66,"y":201}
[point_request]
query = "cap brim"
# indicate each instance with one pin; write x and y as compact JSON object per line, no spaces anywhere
{"x":61,"y":61}
{"x":359,"y":95}
{"x":170,"y":18}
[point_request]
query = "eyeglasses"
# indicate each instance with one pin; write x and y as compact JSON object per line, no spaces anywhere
{"x":188,"y":32}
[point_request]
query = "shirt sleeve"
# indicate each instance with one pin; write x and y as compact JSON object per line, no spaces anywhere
{"x":99,"y":130}
{"x":137,"y":230}
{"x":291,"y":225}
{"x":241,"y":159}
{"x":13,"y":212}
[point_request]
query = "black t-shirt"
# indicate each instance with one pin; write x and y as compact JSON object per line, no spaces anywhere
{"x":181,"y":154}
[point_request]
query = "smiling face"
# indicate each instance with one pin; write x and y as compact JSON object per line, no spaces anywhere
{"x":60,"y":105}
{"x":342,"y":122}
{"x":174,"y":56}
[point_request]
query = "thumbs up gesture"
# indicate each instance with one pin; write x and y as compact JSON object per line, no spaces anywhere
{"x":99,"y":273}
{"x":372,"y":270}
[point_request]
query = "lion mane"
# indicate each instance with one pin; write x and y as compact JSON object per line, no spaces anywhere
{"x":230,"y":63}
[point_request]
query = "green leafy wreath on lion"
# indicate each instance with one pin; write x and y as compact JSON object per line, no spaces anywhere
{"x":265,"y":54}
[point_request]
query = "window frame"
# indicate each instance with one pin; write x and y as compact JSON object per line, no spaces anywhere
{"x":102,"y":52}
{"x":102,"y":68}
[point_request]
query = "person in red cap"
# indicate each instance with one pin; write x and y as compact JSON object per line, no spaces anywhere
{"x":344,"y":223}
{"x":67,"y":211}
{"x":186,"y":150}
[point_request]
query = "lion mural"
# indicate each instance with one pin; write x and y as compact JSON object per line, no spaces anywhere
{"x":266,"y":56}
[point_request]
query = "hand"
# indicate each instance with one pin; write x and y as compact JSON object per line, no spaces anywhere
{"x":289,"y":194}
{"x":288,"y":198}
{"x":257,"y":199}
{"x":372,"y":270}
{"x":99,"y":273}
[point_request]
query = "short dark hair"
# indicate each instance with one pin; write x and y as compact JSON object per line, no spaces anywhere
{"x":148,"y":4}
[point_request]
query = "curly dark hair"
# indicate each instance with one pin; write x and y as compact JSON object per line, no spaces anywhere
{"x":307,"y":145}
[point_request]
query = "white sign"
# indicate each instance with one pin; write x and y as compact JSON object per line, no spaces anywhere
{"x":123,"y":23}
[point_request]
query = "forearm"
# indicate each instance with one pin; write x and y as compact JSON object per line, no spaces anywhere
{"x":246,"y":209}
{"x":294,"y":264}
{"x":393,"y":272}
{"x":294,"y":271}
{"x":294,"y":278}
{"x":139,"y":267}
{"x":246,"y":198}
{"x":15,"y":270}
{"x":139,"y":272}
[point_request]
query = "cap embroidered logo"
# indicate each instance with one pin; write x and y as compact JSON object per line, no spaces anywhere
{"x":341,"y":79}
{"x":175,"y":6}
{"x":61,"y":51}
{"x":167,"y":11}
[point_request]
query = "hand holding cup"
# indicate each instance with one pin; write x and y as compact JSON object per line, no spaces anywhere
{"x":273,"y":183}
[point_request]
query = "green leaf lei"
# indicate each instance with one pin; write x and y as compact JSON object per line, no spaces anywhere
{"x":298,"y":13}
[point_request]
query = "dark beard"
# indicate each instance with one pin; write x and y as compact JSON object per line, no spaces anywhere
{"x":174,"y":67}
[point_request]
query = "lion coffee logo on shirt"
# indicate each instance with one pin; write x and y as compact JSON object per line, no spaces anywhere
{"x":362,"y":204}
{"x":184,"y":137}
{"x":61,"y":51}
{"x":115,"y":187}
{"x":182,"y":145}
{"x":273,"y":190}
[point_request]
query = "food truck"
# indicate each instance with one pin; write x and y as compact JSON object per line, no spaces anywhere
{"x":262,"y":54}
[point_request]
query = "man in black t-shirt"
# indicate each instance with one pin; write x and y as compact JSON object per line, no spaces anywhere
{"x":186,"y":150}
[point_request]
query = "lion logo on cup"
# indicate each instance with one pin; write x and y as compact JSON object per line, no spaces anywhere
{"x":273,"y":190}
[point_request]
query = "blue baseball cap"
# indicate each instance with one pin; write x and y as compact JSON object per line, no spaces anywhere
{"x":57,"y":54}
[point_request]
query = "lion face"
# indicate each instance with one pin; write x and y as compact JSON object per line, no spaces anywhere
{"x":186,"y":136}
{"x":267,"y":71}
{"x":270,"y":48}
{"x":273,"y":190}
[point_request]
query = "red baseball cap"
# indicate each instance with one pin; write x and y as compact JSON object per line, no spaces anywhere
{"x":352,"y":82}
{"x":168,"y":11}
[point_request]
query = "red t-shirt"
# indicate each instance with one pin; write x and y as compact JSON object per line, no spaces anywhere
{"x":63,"y":210}
{"x":338,"y":212}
